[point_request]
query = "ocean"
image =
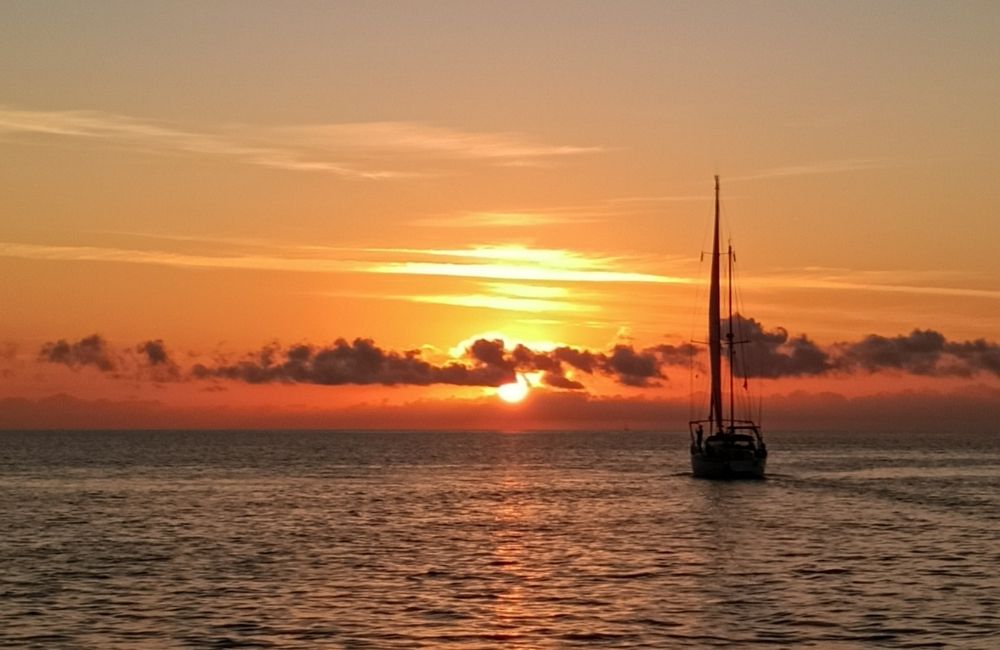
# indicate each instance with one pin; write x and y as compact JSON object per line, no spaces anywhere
{"x":290,"y":539}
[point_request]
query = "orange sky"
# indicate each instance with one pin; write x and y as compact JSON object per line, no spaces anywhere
{"x":225,"y":178}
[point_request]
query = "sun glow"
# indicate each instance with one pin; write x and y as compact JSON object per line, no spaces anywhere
{"x":459,"y":350}
{"x":514,"y":392}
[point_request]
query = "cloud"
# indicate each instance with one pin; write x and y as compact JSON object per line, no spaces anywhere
{"x":896,"y":281}
{"x":772,"y":354}
{"x":483,"y":362}
{"x":401,"y":149}
{"x":179,"y":260}
{"x":820,"y":167}
{"x":632,"y":368}
{"x":415,"y":137}
{"x":513,"y":218}
{"x":505,"y":264}
{"x":357,"y":362}
{"x":156,"y":361}
{"x":513,"y":296}
{"x":148,"y":360}
{"x":559,"y":381}
{"x":89,"y":351}
{"x":486,"y":362}
{"x":520,"y":272}
{"x":490,"y":353}
{"x":147,"y":135}
{"x":512,"y":278}
{"x":622,"y":362}
{"x":584,"y":360}
{"x":509,"y":263}
{"x":510,"y":267}
{"x":156,"y":353}
{"x":922,"y":352}
{"x":297,"y":257}
{"x":672,"y":198}
{"x":502,"y":303}
{"x":980,"y":354}
{"x":523,"y":217}
{"x":490,"y":361}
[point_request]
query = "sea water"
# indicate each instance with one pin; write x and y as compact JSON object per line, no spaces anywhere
{"x":482,"y":540}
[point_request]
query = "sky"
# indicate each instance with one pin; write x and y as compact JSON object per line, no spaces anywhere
{"x":327,"y":215}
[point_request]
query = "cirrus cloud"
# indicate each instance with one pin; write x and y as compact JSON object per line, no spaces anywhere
{"x":360,"y":150}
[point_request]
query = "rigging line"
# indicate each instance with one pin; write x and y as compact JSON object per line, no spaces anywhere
{"x":746,"y":359}
{"x":754,"y":397}
{"x":695,"y":323}
{"x":693,"y":411}
{"x":739,"y":327}
{"x":752,"y":361}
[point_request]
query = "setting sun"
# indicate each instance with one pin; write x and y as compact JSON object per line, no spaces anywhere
{"x":514,"y":392}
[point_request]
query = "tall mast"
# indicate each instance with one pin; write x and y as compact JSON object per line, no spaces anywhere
{"x":715,"y":325}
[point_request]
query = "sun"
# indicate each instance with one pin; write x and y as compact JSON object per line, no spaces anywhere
{"x":513,"y":392}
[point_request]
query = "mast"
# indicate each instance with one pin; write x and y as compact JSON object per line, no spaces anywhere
{"x":715,"y":326}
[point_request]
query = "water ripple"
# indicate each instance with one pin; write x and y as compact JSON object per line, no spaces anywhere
{"x":450,"y":540}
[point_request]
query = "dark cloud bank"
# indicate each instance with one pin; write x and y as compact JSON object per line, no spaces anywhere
{"x":89,"y":351}
{"x":774,"y":353}
{"x":759,"y":353}
{"x":486,"y":363}
{"x":148,"y":360}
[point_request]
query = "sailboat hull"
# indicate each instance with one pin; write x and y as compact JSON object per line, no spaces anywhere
{"x":723,"y":468}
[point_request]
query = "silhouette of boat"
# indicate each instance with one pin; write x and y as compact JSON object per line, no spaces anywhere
{"x":733,"y":448}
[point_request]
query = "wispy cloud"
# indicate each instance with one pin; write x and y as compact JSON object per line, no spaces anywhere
{"x":523,"y":264}
{"x":527,"y":290}
{"x":402,"y":137}
{"x":521,"y":254}
{"x":124,"y":130}
{"x":511,"y":296}
{"x":378,"y":150}
{"x":536,"y":299}
{"x":517,"y":265}
{"x":520,"y":272}
{"x":510,"y":219}
{"x":180,"y":260}
{"x":928,"y":283}
{"x":522,"y":217}
{"x":821,"y":167}
{"x":504,"y":303}
{"x":492,"y":263}
{"x":668,"y":198}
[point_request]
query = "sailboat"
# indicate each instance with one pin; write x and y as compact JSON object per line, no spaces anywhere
{"x":724,"y":447}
